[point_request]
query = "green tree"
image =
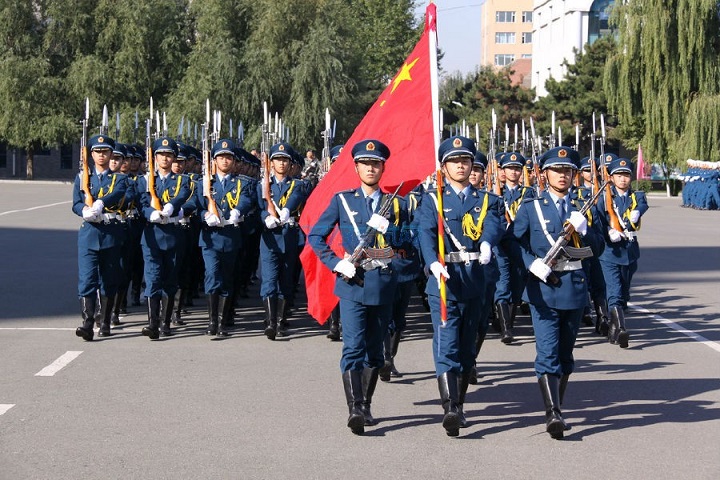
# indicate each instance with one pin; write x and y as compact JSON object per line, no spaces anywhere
{"x":664,"y":77}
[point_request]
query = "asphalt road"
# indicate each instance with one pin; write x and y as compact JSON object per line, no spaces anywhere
{"x":246,"y":407}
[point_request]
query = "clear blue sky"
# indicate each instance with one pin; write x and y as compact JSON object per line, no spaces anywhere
{"x":458,"y":33}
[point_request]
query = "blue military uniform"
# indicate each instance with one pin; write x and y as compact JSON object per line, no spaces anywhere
{"x":279,"y":244}
{"x":161,"y":240}
{"x":334,"y":323}
{"x":366,"y":297}
{"x":100,"y":240}
{"x":556,"y":308}
{"x":619,"y":259}
{"x":472,"y":227}
{"x":221,"y":237}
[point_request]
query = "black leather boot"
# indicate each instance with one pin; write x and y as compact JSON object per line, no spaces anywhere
{"x":106,"y":307}
{"x":334,"y":332}
{"x":587,"y":317}
{"x":463,"y":383}
{"x":618,"y":335}
{"x":394,"y":345}
{"x":563,"y":386}
{"x":179,"y":304}
{"x":550,"y":389}
{"x":213,"y":301}
{"x":282,"y":328}
{"x":225,"y":306}
{"x":153,"y":329}
{"x":271,"y":325}
{"x":369,"y":382}
{"x":167,"y":313}
{"x":505,"y":320}
{"x":352,"y":381}
{"x":118,"y":307}
{"x":449,"y":396}
{"x":473,"y":376}
{"x":602,"y":324}
{"x":87,"y":310}
{"x":387,"y":356}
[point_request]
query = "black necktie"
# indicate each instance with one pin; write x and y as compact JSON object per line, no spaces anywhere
{"x":369,"y":201}
{"x":561,"y":209}
{"x":462,"y":198}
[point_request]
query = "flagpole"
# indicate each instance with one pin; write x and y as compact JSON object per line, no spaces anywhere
{"x":431,"y":19}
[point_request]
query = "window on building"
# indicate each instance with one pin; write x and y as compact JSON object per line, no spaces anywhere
{"x":598,"y":19}
{"x":3,"y":155}
{"x":526,"y":55}
{"x":505,"y":37}
{"x":66,"y":157}
{"x":527,"y":37}
{"x":505,"y":17}
{"x":527,"y":17}
{"x":504,"y":59}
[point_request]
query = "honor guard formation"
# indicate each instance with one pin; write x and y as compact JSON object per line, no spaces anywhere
{"x":482,"y":238}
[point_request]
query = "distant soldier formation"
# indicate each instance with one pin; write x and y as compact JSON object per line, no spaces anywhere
{"x":486,"y":236}
{"x":702,"y":185}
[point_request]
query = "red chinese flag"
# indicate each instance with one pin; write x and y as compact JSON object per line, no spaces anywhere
{"x":402,"y":118}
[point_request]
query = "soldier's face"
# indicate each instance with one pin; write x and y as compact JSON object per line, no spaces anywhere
{"x":281,"y":165}
{"x":164,"y":160}
{"x":621,"y":180}
{"x":587,"y":176}
{"x":458,"y":168}
{"x":560,"y":179}
{"x":178,"y":165}
{"x":224,"y":162}
{"x":512,"y":174}
{"x":102,"y":158}
{"x":477,"y":177}
{"x":369,"y":171}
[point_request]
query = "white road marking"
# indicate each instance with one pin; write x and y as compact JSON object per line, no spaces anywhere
{"x":35,"y":208}
{"x":695,"y":336}
{"x":38,"y":328}
{"x":4,"y":407}
{"x":58,"y":364}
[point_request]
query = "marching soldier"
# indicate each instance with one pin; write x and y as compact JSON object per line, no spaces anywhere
{"x":100,"y":237}
{"x":221,"y":235}
{"x":619,"y":259}
{"x":334,"y":329}
{"x":367,"y":289}
{"x":557,"y":293}
{"x":162,"y":238}
{"x":472,"y":227}
{"x":279,"y":240}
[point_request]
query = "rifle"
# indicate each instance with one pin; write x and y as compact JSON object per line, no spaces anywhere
{"x":540,"y":181}
{"x":370,"y":234}
{"x":609,"y":206}
{"x":593,"y":163}
{"x":327,"y":144}
{"x":265,"y":149}
{"x":154,"y":200}
{"x":117,"y":126}
{"x":207,"y":167}
{"x":441,"y":245}
{"x":560,"y":245}
{"x":84,"y":158}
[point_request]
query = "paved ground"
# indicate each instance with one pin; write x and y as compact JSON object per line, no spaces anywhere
{"x":245,"y":407}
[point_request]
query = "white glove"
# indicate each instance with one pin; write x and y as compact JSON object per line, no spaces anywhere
{"x":89,"y":215}
{"x":635,"y":216}
{"x":578,"y":221}
{"x":436,"y":269}
{"x":212,"y":220}
{"x":485,"y":253}
{"x":235,"y":216}
{"x":284,"y":215}
{"x":540,"y":270}
{"x":271,"y":222}
{"x":378,"y":222}
{"x":157,"y":217}
{"x":345,"y":268}
{"x":181,"y":213}
{"x":614,"y":235}
{"x":168,"y":209}
{"x":98,"y":205}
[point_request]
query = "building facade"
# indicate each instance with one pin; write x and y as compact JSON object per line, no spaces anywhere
{"x":506,"y":30}
{"x":560,"y":27}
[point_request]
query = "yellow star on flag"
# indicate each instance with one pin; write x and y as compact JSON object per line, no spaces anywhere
{"x":404,"y":74}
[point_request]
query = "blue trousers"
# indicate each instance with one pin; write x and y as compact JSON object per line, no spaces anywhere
{"x":454,"y":343}
{"x":161,"y":273}
{"x":219,"y":268}
{"x":555,"y":334}
{"x":99,"y":269}
{"x":617,"y":282}
{"x":364,"y":328}
{"x":278,"y":272}
{"x":399,"y":309}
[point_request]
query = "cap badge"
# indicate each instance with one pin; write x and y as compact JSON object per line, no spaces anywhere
{"x":165,"y":143}
{"x":281,"y":148}
{"x":101,"y":139}
{"x":608,"y":158}
{"x":562,"y":153}
{"x":513,"y":157}
{"x":623,"y":163}
{"x":370,"y":146}
{"x":224,"y":145}
{"x":457,"y":143}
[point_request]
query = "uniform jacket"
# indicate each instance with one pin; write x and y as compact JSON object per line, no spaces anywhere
{"x":527,"y":231}
{"x":175,"y":189}
{"x":379,"y":284}
{"x":466,"y":281}
{"x":238,"y":193}
{"x":111,"y":190}
{"x":289,"y":193}
{"x":625,"y":251}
